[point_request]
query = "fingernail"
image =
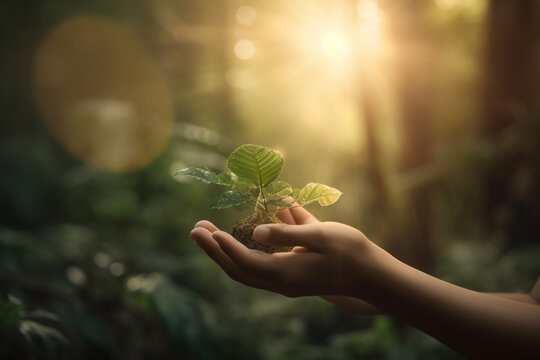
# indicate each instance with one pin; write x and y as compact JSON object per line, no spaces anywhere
{"x":261,"y":233}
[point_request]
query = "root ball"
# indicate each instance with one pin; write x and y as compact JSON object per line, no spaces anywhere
{"x":243,"y":232}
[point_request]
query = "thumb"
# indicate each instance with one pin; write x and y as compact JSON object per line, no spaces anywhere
{"x":308,"y":235}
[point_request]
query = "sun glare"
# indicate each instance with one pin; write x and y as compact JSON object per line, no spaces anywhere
{"x":80,"y":86}
{"x":335,"y":45}
{"x":447,"y":4}
{"x":369,"y":22}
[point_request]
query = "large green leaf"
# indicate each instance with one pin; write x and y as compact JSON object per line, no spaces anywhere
{"x":205,"y":175}
{"x":256,"y":163}
{"x":229,"y":199}
{"x":278,"y":187}
{"x":323,"y":194}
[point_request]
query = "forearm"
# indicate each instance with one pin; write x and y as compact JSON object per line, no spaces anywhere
{"x":475,"y":324}
{"x":362,"y":307}
{"x":353,"y":304}
{"x":524,"y":298}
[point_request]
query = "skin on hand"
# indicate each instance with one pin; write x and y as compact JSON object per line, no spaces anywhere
{"x":335,"y":259}
{"x":327,"y":258}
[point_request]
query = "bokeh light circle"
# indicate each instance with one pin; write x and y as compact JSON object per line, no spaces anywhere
{"x":244,"y":49}
{"x":101,"y":95}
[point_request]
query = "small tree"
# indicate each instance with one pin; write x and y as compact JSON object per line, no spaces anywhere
{"x":253,"y":180}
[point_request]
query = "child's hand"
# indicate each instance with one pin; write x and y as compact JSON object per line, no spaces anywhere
{"x":328,"y":259}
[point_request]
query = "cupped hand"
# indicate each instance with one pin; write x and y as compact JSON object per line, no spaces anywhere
{"x":328,"y":258}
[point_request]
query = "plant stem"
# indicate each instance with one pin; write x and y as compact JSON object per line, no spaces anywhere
{"x":264,"y":200}
{"x":261,"y":199}
{"x":256,"y":205}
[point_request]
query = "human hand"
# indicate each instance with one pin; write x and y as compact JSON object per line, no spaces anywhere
{"x":328,"y":258}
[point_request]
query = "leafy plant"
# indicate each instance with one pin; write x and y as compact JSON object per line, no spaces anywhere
{"x":253,"y":180}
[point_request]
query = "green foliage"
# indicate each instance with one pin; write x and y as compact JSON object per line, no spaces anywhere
{"x":278,"y":187}
{"x":205,"y":175}
{"x":42,"y":336}
{"x":323,"y":194}
{"x":253,"y":180}
{"x":33,"y":326}
{"x":230,"y":198}
{"x":255,"y":163}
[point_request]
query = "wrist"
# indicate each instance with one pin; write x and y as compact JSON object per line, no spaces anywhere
{"x":371,"y":263}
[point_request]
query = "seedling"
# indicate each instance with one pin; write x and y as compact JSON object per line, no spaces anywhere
{"x":253,"y":180}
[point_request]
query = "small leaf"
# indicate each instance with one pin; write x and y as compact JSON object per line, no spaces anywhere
{"x":278,"y":187}
{"x":205,"y":175}
{"x":323,"y":194}
{"x":230,"y":199}
{"x":295,"y":194}
{"x":279,"y":203}
{"x":257,"y":164}
{"x":224,"y":178}
{"x":241,"y":185}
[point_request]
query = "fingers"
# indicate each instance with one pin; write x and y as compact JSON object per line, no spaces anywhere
{"x":295,"y":214}
{"x":253,"y":261}
{"x":203,"y":238}
{"x":302,"y":216}
{"x":279,"y":272}
{"x":299,"y":249}
{"x":308,"y":236}
{"x":207,"y":225}
{"x":286,"y":216}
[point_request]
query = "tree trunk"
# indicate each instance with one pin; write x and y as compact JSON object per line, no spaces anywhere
{"x":414,"y":241}
{"x":508,"y":106}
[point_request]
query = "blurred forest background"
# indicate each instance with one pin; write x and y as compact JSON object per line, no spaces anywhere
{"x":426,"y":114}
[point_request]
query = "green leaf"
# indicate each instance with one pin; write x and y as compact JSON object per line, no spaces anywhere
{"x":205,"y":175}
{"x":224,"y":178}
{"x":230,"y":199}
{"x":279,"y":203}
{"x":258,"y":164}
{"x":278,"y":187}
{"x":295,"y":194}
{"x":323,"y":194}
{"x":241,"y":185}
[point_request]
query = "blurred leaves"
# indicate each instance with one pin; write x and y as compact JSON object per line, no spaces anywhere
{"x":9,"y":313}
{"x":41,"y":336}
